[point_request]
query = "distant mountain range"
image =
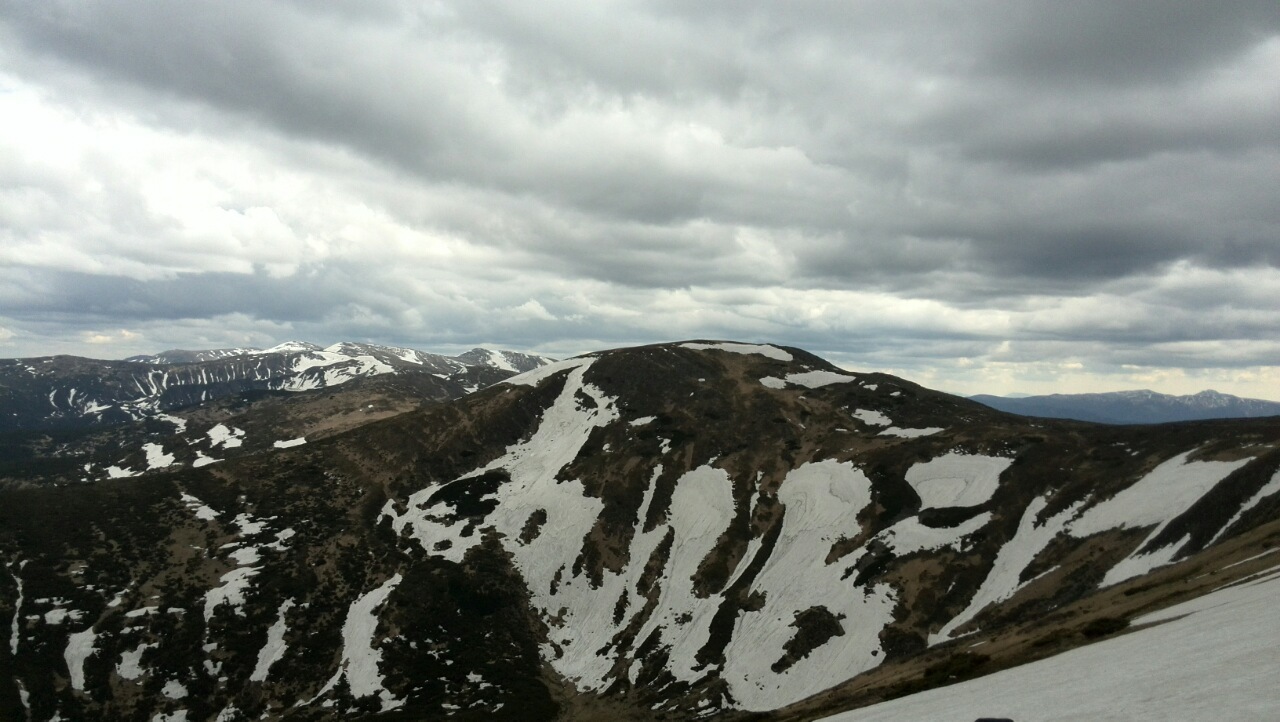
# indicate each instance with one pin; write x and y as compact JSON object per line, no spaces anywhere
{"x":1133,"y":407}
{"x":58,"y":392}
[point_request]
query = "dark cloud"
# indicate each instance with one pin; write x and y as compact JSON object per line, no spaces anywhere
{"x":883,"y":180}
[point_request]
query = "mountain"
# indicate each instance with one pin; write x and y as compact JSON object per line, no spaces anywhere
{"x":61,"y":392}
{"x":683,"y":531}
{"x":1133,"y":407}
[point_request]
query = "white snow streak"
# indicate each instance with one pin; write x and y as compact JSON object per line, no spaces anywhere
{"x":275,"y":646}
{"x":290,"y":443}
{"x":14,"y":636}
{"x":1002,"y":582}
{"x":1271,"y":487}
{"x":79,"y":648}
{"x":360,"y":658}
{"x":910,"y":433}
{"x":1157,"y":499}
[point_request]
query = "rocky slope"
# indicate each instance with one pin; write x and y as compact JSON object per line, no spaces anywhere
{"x":683,"y":531}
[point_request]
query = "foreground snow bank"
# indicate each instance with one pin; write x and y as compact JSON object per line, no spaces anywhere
{"x":1213,"y":660}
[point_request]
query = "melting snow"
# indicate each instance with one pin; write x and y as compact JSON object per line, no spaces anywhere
{"x":1157,"y":499}
{"x":822,"y":503}
{"x":1271,"y":487}
{"x":643,"y":420}
{"x":115,"y":472}
{"x":79,"y":648}
{"x":228,"y":437}
{"x":772,"y":352}
{"x":202,"y":460}
{"x":17,"y":611}
{"x":234,"y":585}
{"x":871,"y":418}
{"x":360,"y":658}
{"x":291,"y":442}
{"x":180,"y":423}
{"x":202,"y":512}
{"x":910,"y":433}
{"x":130,"y":666}
{"x":156,"y":458}
{"x":535,"y":376}
{"x":173,"y":689}
{"x":275,"y":646}
{"x":816,"y":379}
{"x":956,"y":479}
{"x":773,"y":382}
{"x":1003,"y":581}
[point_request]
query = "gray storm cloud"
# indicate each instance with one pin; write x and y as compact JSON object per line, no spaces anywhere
{"x":963,"y":193}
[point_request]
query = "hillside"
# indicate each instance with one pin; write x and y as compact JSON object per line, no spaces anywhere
{"x":681,"y":531}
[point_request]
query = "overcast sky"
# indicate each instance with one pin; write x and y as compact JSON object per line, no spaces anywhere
{"x":979,"y":196}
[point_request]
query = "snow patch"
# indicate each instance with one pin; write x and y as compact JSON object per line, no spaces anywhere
{"x":274,"y":648}
{"x":360,"y":658}
{"x":956,"y":479}
{"x":871,"y":418}
{"x":772,"y":382}
{"x":822,"y":503}
{"x":229,"y":437}
{"x":910,"y":433}
{"x":156,"y":457}
{"x":817,"y":379}
{"x":79,"y":648}
{"x":290,"y":443}
{"x":765,"y":350}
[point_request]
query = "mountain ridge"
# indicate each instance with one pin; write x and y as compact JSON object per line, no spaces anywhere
{"x":685,"y":531}
{"x":1140,"y":406}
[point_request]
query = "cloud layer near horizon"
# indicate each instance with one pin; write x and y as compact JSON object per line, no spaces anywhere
{"x":981,"y":196}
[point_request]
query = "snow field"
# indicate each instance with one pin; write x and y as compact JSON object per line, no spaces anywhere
{"x":701,"y":510}
{"x":1212,"y":659}
{"x":822,"y":502}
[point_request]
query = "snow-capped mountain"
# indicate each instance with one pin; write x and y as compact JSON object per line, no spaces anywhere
{"x":68,"y":391}
{"x":1133,"y":407}
{"x":700,"y":530}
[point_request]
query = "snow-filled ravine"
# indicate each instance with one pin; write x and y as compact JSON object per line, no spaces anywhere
{"x":1213,"y":658}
